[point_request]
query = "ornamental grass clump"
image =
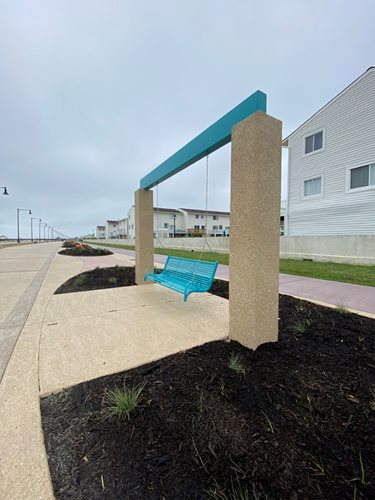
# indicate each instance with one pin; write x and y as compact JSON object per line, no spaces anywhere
{"x":236,"y":365}
{"x":80,"y":280}
{"x":120,"y":402}
{"x":341,"y":309}
{"x":300,"y":327}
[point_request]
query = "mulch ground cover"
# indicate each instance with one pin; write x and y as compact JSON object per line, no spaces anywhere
{"x":292,"y":420}
{"x":101,"y":277}
{"x":84,"y":251}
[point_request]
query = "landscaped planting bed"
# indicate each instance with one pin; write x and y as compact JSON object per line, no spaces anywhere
{"x":101,"y":277}
{"x":83,"y":250}
{"x":292,"y":420}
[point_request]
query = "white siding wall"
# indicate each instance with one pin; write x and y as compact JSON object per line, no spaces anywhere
{"x":123,"y":228}
{"x":163,"y":218}
{"x":349,"y":124}
{"x":223,"y":220}
{"x":131,"y":223}
{"x":100,"y":233}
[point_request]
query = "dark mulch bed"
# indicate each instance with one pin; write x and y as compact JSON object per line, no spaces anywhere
{"x":296,"y":426}
{"x":101,"y":277}
{"x":85,"y":251}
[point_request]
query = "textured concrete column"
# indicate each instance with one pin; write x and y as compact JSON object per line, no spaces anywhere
{"x":144,"y":234}
{"x":255,"y":230}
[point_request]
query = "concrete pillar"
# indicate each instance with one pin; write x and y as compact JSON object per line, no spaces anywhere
{"x":255,"y":230}
{"x":144,"y":234}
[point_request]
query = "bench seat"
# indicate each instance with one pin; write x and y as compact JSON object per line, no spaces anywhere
{"x":185,"y":275}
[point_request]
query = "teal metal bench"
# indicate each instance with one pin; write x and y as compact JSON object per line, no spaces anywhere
{"x":185,"y":275}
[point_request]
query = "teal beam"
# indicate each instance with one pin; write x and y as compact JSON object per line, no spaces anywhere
{"x":211,"y":139}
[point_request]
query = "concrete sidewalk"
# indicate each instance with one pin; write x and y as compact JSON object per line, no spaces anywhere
{"x":71,"y":338}
{"x":358,"y":298}
{"x":22,"y":270}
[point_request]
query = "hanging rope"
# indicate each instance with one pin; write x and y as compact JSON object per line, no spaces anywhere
{"x":206,"y":209}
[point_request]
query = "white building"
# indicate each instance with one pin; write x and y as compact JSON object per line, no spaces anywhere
{"x":331,"y":185}
{"x":100,"y":232}
{"x":122,"y":232}
{"x":170,"y":222}
{"x":218,"y":223}
{"x":111,"y":229}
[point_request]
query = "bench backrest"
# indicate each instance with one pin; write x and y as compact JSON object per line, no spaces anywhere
{"x":187,"y":269}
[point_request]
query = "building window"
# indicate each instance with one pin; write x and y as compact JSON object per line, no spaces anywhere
{"x":197,"y":216}
{"x":362,"y":177}
{"x":214,"y":228}
{"x":202,"y":216}
{"x":196,"y":227}
{"x":312,"y":187}
{"x":220,"y":227}
{"x":215,"y":217}
{"x":166,"y":225}
{"x":314,"y":142}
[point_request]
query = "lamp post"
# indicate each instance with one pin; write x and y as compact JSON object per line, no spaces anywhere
{"x":44,"y":230}
{"x":174,"y":225}
{"x":5,"y":190}
{"x":31,"y":221}
{"x":18,"y":220}
{"x":40,"y":222}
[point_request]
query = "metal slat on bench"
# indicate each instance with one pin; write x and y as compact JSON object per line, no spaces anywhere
{"x":185,"y":275}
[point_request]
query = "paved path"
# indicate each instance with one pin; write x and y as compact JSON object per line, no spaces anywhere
{"x":356,"y":297}
{"x":70,"y":338}
{"x":22,"y":270}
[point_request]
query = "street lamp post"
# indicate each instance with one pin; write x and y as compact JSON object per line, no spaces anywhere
{"x":174,"y":225}
{"x":31,"y":220}
{"x":44,"y":230}
{"x":5,"y":190}
{"x":18,"y":220}
{"x":40,"y":222}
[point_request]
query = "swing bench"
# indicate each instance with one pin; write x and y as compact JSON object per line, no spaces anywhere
{"x":185,"y":275}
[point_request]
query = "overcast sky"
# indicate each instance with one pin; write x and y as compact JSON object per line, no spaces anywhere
{"x":95,"y":94}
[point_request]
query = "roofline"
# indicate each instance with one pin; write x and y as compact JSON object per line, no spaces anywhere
{"x":286,"y":140}
{"x":200,"y":211}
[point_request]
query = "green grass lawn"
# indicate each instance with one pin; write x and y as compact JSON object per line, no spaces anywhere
{"x":346,"y":273}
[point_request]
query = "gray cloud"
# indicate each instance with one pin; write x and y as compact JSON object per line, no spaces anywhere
{"x":94,"y":94}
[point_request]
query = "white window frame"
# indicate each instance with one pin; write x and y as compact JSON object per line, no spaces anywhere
{"x":313,"y":196}
{"x":348,"y":189}
{"x":305,"y":155}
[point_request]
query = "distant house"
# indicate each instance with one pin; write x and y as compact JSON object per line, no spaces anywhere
{"x":123,"y":228}
{"x":100,"y":232}
{"x":111,"y":229}
{"x":331,"y":184}
{"x":218,"y":223}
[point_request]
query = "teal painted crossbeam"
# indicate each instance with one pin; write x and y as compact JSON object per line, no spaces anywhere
{"x":211,"y":139}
